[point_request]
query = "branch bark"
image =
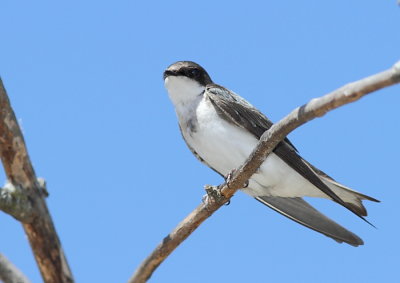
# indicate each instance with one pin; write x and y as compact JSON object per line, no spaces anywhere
{"x":315,"y":108}
{"x":38,"y":226}
{"x":9,"y":273}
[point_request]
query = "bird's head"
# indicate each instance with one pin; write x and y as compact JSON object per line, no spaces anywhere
{"x":185,"y":80}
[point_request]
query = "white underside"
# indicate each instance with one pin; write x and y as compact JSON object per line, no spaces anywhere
{"x":225,"y":147}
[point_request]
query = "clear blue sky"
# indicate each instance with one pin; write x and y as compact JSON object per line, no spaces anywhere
{"x":85,"y":80}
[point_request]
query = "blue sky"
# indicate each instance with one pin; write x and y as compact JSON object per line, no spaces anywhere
{"x":85,"y":81}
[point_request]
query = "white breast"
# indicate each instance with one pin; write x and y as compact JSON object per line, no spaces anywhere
{"x":225,"y":146}
{"x":221,"y":144}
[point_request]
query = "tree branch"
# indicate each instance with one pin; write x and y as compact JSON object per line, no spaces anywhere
{"x":16,"y":202}
{"x":9,"y":273}
{"x":315,"y":108}
{"x":38,"y":225}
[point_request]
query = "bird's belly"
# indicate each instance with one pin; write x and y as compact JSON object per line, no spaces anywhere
{"x":276,"y":178}
{"x":222,"y":145}
{"x":225,"y":146}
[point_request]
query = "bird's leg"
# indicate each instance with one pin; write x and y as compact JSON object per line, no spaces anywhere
{"x":228,"y":178}
{"x":214,"y":192}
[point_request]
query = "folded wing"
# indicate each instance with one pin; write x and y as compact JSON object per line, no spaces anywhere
{"x":300,"y":211}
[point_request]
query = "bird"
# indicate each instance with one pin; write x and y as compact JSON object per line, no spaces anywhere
{"x":221,"y":129}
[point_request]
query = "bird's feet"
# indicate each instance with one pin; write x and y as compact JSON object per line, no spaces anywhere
{"x":214,"y":194}
{"x":228,"y":179}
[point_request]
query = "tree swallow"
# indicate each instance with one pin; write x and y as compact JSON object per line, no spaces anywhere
{"x":221,"y":129}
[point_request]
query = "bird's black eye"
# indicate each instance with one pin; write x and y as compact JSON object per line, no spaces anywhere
{"x":194,"y":73}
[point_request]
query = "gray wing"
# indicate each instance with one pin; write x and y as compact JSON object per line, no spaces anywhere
{"x":238,"y":111}
{"x":300,"y":211}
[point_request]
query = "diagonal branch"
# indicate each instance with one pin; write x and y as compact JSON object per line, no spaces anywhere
{"x":9,"y":273}
{"x":38,"y":226}
{"x":315,"y":108}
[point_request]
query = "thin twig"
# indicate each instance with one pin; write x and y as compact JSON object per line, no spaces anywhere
{"x":315,"y":108}
{"x":40,"y":229}
{"x":9,"y":273}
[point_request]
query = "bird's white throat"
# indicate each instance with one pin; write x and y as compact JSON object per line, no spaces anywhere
{"x":183,"y":90}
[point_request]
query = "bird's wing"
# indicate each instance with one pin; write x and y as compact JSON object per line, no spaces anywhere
{"x":234,"y":109}
{"x":237,"y":110}
{"x":302,"y":212}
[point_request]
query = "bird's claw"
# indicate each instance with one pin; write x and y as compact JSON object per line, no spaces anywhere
{"x":228,"y":179}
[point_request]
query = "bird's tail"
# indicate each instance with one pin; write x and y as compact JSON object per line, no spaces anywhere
{"x":349,"y":196}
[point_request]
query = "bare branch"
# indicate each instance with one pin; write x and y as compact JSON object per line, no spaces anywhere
{"x":9,"y":273}
{"x":39,"y":227}
{"x":315,"y":108}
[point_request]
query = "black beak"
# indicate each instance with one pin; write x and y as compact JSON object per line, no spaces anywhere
{"x":169,"y":73}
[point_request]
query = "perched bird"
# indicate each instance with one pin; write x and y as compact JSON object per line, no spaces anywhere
{"x":221,"y":129}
